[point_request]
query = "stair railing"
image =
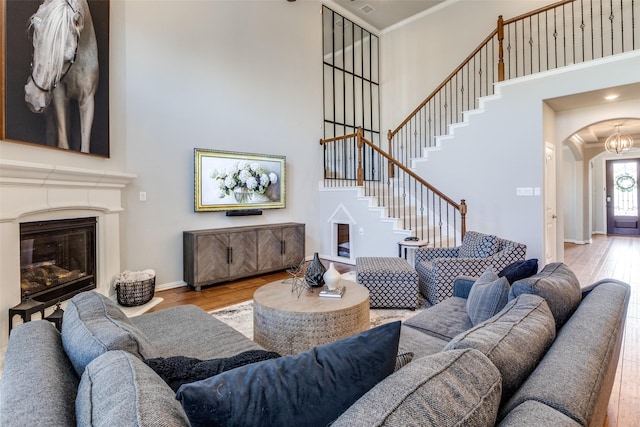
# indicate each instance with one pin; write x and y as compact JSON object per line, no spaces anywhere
{"x":352,"y":160}
{"x":563,"y":33}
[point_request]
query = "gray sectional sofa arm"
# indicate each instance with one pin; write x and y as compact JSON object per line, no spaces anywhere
{"x":39,"y":383}
{"x":576,"y":375}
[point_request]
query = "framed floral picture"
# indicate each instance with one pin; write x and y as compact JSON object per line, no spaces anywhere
{"x":226,"y":181}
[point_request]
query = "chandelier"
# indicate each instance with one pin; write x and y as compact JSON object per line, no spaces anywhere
{"x":618,"y":143}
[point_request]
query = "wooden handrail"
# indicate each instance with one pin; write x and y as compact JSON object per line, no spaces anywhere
{"x":364,"y":141}
{"x":338,"y":138}
{"x":361,"y":142}
{"x":446,"y":80}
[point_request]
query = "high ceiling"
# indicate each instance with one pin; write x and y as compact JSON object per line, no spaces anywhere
{"x":381,"y":14}
{"x":384,"y":13}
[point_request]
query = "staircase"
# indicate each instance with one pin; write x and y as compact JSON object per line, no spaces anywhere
{"x":564,"y":33}
{"x":399,"y":194}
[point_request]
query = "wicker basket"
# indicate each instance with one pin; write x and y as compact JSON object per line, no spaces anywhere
{"x":135,"y":293}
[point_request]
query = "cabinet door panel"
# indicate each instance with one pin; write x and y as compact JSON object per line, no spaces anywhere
{"x":211,"y":257}
{"x":244,"y":260}
{"x":269,"y":247}
{"x":293,"y":238}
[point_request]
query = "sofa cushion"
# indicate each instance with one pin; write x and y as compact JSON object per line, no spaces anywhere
{"x":514,"y":339}
{"x":520,"y":270}
{"x":444,"y":320}
{"x":311,"y":388}
{"x":451,"y":388}
{"x":93,"y":324}
{"x":557,"y":284}
{"x":165,"y":329}
{"x":487,"y":296}
{"x":420,"y":344}
{"x":478,"y":245}
{"x":178,"y":370}
{"x":117,"y":388}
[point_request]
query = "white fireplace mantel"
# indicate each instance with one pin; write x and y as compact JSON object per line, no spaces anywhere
{"x":38,"y":192}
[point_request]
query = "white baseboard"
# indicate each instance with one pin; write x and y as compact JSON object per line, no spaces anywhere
{"x":171,"y":285}
{"x":578,"y":242}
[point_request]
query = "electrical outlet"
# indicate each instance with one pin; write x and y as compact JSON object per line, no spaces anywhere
{"x":524,"y":191}
{"x":143,"y":196}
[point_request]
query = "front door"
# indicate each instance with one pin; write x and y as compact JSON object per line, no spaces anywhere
{"x":622,"y":196}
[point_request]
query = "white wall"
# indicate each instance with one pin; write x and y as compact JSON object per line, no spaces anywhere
{"x":418,"y":56}
{"x":228,"y":75}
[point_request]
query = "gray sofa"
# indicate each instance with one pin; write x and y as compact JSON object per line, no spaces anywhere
{"x":548,"y":358}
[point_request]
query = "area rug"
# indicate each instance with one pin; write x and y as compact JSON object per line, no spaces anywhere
{"x":240,"y":316}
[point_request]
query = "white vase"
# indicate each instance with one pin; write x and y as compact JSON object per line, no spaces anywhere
{"x":331,"y":277}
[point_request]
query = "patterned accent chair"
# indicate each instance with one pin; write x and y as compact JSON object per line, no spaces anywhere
{"x":437,"y":268}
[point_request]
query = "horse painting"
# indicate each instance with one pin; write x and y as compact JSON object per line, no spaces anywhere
{"x":64,"y":65}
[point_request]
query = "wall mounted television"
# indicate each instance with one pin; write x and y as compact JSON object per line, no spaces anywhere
{"x":230,"y":181}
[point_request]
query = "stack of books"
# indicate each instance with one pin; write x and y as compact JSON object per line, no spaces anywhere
{"x":332,"y":293}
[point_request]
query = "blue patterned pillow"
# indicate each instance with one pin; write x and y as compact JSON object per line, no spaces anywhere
{"x":478,"y":245}
{"x":311,"y":388}
{"x":488,"y":295}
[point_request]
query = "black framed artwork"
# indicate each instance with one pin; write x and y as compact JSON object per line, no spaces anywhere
{"x":56,"y":94}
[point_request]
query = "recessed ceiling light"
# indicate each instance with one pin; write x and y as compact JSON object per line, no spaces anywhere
{"x":611,"y":97}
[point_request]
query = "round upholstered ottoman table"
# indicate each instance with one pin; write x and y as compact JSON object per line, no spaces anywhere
{"x":288,"y":324}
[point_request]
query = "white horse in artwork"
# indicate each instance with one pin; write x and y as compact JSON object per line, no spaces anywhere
{"x":64,"y":66}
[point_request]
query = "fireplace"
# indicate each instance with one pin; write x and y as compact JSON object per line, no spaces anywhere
{"x":57,"y":258}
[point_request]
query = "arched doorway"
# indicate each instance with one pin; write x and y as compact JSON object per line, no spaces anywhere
{"x":588,"y":193}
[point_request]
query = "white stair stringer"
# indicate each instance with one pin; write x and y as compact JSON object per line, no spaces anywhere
{"x":451,"y":129}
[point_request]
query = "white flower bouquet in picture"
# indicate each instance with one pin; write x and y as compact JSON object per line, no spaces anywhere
{"x":244,"y":180}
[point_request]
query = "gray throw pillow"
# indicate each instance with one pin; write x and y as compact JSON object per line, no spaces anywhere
{"x":558,"y":285}
{"x":450,"y":388}
{"x":515,"y":339}
{"x":488,"y":295}
{"x":93,"y":324}
{"x":118,"y":389}
{"x":478,"y":245}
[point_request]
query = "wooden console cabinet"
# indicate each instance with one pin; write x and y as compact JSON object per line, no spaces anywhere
{"x":222,"y":254}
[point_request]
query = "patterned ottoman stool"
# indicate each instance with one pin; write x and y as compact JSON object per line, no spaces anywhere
{"x":392,"y":282}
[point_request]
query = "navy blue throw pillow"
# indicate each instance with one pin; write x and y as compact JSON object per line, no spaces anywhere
{"x":519,"y":270}
{"x":178,"y":370}
{"x":311,"y":388}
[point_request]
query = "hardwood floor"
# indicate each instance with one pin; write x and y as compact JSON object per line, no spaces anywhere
{"x":616,"y":257}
